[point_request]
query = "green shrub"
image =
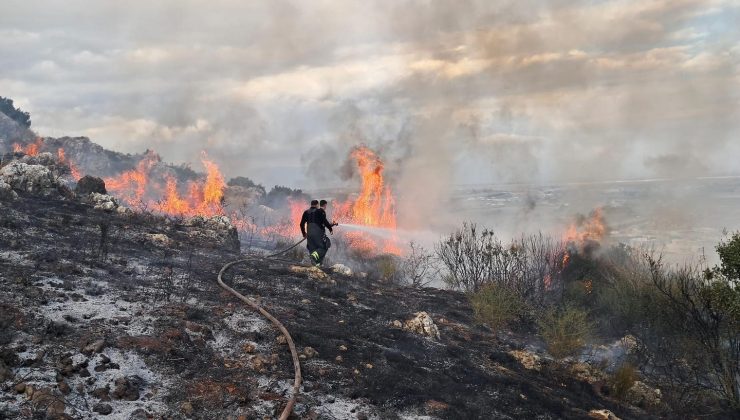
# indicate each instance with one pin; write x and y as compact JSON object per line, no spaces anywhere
{"x":386,"y":267}
{"x":623,"y":379}
{"x":565,"y":331}
{"x":497,"y":306}
{"x":579,"y":292}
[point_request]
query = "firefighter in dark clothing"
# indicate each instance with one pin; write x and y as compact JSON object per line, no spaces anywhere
{"x":313,"y":225}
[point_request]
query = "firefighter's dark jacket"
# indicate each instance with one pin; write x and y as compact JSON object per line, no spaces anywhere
{"x":316,"y":216}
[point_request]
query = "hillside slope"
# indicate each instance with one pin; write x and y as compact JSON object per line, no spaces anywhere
{"x":110,"y":312}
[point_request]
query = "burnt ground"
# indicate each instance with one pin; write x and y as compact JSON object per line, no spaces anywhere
{"x":106,"y":312}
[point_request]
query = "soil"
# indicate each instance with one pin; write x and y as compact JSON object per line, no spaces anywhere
{"x":108,"y":315}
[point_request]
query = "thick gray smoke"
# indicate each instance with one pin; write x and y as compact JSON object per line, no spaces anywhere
{"x":450,"y":92}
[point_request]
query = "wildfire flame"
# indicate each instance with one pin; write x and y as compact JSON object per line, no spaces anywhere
{"x":136,"y":188}
{"x":74,"y":171}
{"x":374,"y":205}
{"x":131,"y":185}
{"x":204,"y":199}
{"x":584,"y":231}
{"x":31,"y":149}
{"x":587,"y":229}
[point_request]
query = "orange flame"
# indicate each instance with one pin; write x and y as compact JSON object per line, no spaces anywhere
{"x":173,"y":204}
{"x":361,"y":242}
{"x":74,"y":171}
{"x":31,"y":149}
{"x":288,"y":227}
{"x":374,"y":206}
{"x":585,"y":229}
{"x":212,"y":189}
{"x":204,"y":199}
{"x":131,"y":185}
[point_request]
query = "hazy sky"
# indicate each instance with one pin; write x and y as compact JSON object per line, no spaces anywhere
{"x":450,"y":91}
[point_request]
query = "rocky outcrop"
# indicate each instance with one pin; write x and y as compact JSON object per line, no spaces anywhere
{"x":342,"y":269}
{"x":602,"y":415}
{"x":6,"y":191}
{"x":43,"y":159}
{"x":644,"y":396}
{"x":238,"y":197}
{"x":314,"y":273}
{"x":102,"y":201}
{"x":33,"y":179}
{"x":422,"y":324}
{"x":527,"y":359}
{"x":216,"y":230}
{"x":91,"y":158}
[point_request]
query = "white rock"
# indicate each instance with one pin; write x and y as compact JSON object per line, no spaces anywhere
{"x":341,"y":269}
{"x":217,"y":228}
{"x":602,"y":415}
{"x":43,"y":159}
{"x":527,"y":359}
{"x":6,"y":191}
{"x":159,"y":238}
{"x":29,"y":178}
{"x":124,"y":210}
{"x":102,"y":201}
{"x":314,"y":273}
{"x":422,"y":324}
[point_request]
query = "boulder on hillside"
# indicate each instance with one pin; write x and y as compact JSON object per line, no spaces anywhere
{"x":34,"y":179}
{"x":90,"y":184}
{"x":102,"y":201}
{"x":422,"y":324}
{"x":6,"y":191}
{"x":217,"y":230}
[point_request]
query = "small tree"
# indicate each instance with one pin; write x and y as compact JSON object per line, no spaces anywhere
{"x":419,"y":267}
{"x":467,"y":255}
